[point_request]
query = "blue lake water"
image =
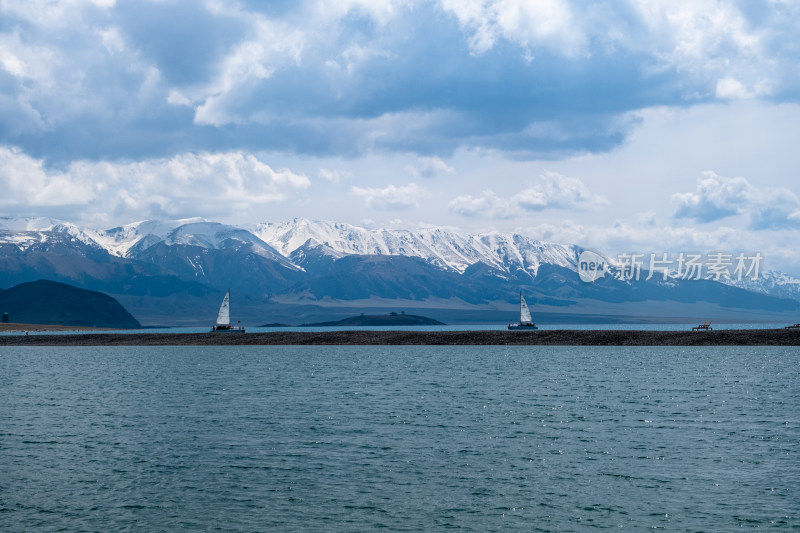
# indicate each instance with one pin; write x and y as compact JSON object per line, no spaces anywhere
{"x":462,"y":327}
{"x":400,"y":438}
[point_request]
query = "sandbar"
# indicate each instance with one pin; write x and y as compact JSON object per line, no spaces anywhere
{"x":719,"y":337}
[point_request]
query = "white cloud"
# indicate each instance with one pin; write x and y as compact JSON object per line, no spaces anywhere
{"x":486,"y":205}
{"x":732,"y":89}
{"x":717,"y":197}
{"x":391,"y":197}
{"x":53,"y":14}
{"x":774,"y":209}
{"x":112,"y":39}
{"x":24,"y":181}
{"x":79,"y":65}
{"x":381,"y":11}
{"x":623,"y":236}
{"x":710,"y":41}
{"x":72,"y":74}
{"x":367,"y":86}
{"x":547,"y":23}
{"x":698,"y":35}
{"x":333,"y":176}
{"x":32,"y":63}
{"x":555,"y":191}
{"x":273,"y":45}
{"x":646,"y":219}
{"x":428,"y":167}
{"x":551,"y":191}
{"x":215,"y":184}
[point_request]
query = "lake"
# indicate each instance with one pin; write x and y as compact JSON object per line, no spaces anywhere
{"x":400,"y":438}
{"x":470,"y":327}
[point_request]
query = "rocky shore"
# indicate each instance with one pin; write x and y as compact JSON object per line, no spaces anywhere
{"x":757,"y":337}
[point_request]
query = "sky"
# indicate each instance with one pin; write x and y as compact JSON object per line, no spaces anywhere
{"x":649,"y":126}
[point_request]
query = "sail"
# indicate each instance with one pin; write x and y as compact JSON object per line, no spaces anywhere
{"x":224,"y":316}
{"x":524,"y":312}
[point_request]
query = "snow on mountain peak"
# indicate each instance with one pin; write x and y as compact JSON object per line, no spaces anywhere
{"x":29,"y":224}
{"x":25,"y":232}
{"x":445,"y":248}
{"x":119,"y":241}
{"x":770,"y":282}
{"x":339,"y":237}
{"x":215,"y":235}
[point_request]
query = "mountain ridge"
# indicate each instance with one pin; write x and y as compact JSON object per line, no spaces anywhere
{"x":182,"y":265}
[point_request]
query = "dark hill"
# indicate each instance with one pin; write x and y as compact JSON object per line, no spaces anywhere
{"x":50,"y":302}
{"x":392,"y":319}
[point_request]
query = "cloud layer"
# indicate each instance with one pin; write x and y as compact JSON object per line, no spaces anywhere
{"x":177,"y":187}
{"x":718,"y":197}
{"x":550,"y":191}
{"x":485,"y":112}
{"x":391,"y":197}
{"x":104,"y":79}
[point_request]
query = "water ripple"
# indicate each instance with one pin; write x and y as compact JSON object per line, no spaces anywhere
{"x":399,"y":438}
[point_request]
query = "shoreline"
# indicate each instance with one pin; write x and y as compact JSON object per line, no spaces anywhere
{"x":15,"y":327}
{"x":753,"y":337}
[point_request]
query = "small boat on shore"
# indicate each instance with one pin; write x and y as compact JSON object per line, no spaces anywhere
{"x":224,"y":317}
{"x":525,"y":319}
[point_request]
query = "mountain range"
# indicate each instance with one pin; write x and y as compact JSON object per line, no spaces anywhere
{"x":175,"y":273}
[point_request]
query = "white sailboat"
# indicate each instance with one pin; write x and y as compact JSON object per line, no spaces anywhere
{"x":525,"y":319}
{"x":224,"y":316}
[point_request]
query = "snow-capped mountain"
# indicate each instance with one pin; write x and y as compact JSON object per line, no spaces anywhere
{"x":10,"y":224}
{"x":771,"y":282}
{"x":440,"y":247}
{"x":43,"y":234}
{"x":119,"y":241}
{"x":133,"y":240}
{"x":444,"y":248}
{"x":304,"y":262}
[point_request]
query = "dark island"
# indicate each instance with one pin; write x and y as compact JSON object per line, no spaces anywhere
{"x":390,"y":320}
{"x":51,"y":302}
{"x":741,"y":337}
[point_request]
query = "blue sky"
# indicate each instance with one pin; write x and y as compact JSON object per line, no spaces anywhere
{"x":624,"y":126}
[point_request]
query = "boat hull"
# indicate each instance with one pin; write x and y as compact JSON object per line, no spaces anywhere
{"x":523,"y":327}
{"x":227,"y":329}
